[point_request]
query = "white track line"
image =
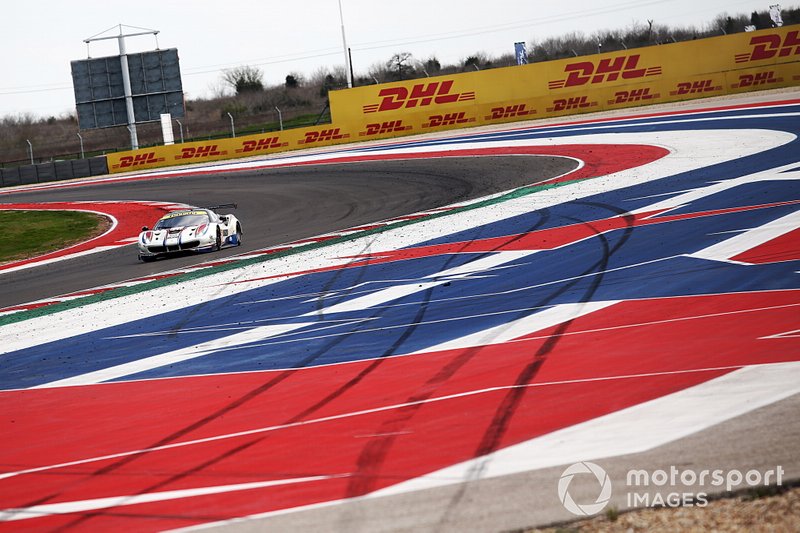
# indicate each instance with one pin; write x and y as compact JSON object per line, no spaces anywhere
{"x":636,"y":429}
{"x":749,"y":239}
{"x":795,"y":375}
{"x":80,"y":506}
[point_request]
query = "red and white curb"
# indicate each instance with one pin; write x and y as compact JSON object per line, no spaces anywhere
{"x":126,"y":219}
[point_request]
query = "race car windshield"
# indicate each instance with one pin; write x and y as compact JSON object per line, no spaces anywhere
{"x":181,"y":221}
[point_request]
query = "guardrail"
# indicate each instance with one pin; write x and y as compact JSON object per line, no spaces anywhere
{"x":54,"y":171}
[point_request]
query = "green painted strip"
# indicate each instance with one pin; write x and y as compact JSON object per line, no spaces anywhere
{"x":157,"y":284}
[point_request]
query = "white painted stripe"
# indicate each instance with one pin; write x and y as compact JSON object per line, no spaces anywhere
{"x":400,"y":291}
{"x":58,"y":259}
{"x":169,"y":358}
{"x":79,"y":506}
{"x":750,"y":239}
{"x":524,"y":326}
{"x":369,"y":411}
{"x":376,"y":298}
{"x":632,"y":430}
{"x":687,"y":197}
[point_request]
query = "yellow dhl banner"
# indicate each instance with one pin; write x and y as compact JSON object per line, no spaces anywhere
{"x":220,"y":149}
{"x":614,"y":80}
{"x":677,"y":71}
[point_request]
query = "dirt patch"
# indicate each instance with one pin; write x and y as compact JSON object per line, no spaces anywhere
{"x":746,"y":512}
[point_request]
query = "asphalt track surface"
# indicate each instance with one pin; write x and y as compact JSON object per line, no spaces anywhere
{"x":276,"y":206}
{"x":668,"y":307}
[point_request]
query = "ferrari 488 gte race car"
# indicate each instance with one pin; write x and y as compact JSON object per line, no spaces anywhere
{"x":196,"y":230}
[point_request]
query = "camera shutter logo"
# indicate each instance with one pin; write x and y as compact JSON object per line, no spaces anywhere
{"x":569,"y":504}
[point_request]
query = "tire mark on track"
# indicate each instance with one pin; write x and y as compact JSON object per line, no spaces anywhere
{"x":374,"y":453}
{"x":507,"y":407}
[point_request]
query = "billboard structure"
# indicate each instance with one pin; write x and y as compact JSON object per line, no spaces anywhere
{"x":127,"y":89}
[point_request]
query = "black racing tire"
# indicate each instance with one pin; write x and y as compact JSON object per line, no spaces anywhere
{"x":239,"y":234}
{"x":218,"y":244}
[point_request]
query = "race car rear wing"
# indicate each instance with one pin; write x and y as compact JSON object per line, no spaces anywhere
{"x":221,"y":206}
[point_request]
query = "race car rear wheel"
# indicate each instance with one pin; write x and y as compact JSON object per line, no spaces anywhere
{"x":218,"y":244}
{"x":238,"y":234}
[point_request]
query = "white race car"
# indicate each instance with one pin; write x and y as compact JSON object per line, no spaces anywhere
{"x":197,"y":230}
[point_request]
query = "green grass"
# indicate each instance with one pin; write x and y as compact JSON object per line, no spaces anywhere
{"x":25,"y":234}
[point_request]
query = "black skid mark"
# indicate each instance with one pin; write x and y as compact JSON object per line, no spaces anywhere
{"x":544,"y":216}
{"x":508,"y":406}
{"x":373,"y":455}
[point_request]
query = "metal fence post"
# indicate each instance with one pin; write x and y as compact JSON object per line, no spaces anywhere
{"x":233,"y":128}
{"x":81,"y":138}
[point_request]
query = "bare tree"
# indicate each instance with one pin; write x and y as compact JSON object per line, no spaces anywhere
{"x":244,"y":79}
{"x":399,"y":62}
{"x":219,"y":89}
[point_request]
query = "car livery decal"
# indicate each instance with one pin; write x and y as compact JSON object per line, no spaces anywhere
{"x":182,"y":213}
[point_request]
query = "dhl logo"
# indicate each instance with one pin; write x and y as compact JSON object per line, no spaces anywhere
{"x":566,"y":104}
{"x":379,"y":128}
{"x":609,"y":69}
{"x":635,"y":95}
{"x":200,"y":152}
{"x":753,"y":80}
{"x":510,"y":111}
{"x":695,"y":87}
{"x":422,"y":94}
{"x":448,"y":119}
{"x":331,"y":134}
{"x":262,"y":144}
{"x":130,"y":161}
{"x":771,"y":46}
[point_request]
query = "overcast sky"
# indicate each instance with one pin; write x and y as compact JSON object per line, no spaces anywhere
{"x":40,"y":37}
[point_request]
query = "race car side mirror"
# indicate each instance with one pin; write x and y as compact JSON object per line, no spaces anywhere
{"x":145,"y":228}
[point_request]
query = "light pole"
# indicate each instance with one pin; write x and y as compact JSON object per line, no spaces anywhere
{"x":233,"y":129}
{"x":81,"y":138}
{"x":280,"y":117}
{"x":30,"y":148}
{"x":346,"y":51}
{"x":126,"y":87}
{"x":126,"y":79}
{"x":181,"y":128}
